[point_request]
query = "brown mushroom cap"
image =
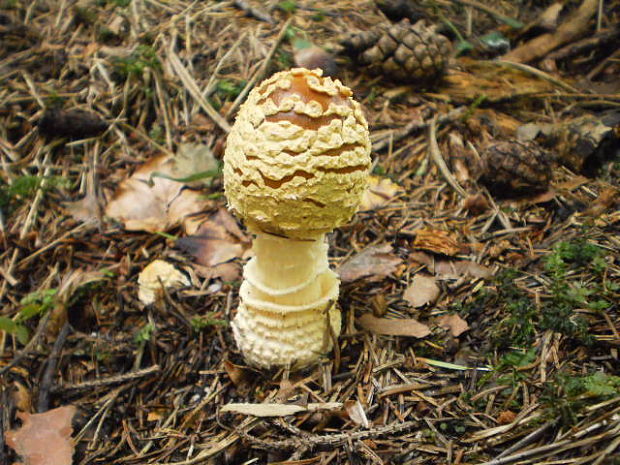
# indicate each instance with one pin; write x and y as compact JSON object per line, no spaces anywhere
{"x":298,"y":156}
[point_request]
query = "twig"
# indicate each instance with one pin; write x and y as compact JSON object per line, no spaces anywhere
{"x":415,"y":126}
{"x":556,"y":447}
{"x":601,"y":39}
{"x":215,"y":449}
{"x":192,"y":87}
{"x":599,"y":16}
{"x":126,"y":377}
{"x":327,"y":440}
{"x":487,"y":9}
{"x":567,"y":31}
{"x":535,"y":72}
{"x":261,"y":71}
{"x":48,"y":375}
{"x":598,"y":68}
{"x":527,"y":440}
{"x":253,"y":12}
{"x":435,"y":154}
{"x":608,"y":450}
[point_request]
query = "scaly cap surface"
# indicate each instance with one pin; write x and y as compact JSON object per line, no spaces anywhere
{"x":298,"y":156}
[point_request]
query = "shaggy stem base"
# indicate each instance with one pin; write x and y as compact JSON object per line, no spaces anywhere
{"x":287,"y":314}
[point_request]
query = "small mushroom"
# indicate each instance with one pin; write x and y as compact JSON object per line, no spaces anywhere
{"x":296,"y":165}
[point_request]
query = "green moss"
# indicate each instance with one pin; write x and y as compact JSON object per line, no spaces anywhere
{"x":206,"y":321}
{"x":24,"y":187}
{"x":143,"y":57}
{"x":567,"y":396}
{"x":288,"y":6}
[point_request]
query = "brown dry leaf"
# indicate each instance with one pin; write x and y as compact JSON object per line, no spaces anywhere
{"x":607,"y":198}
{"x":86,"y":210}
{"x":457,"y":268}
{"x":422,"y":290}
{"x":44,"y":438}
{"x":374,"y":262}
{"x":454,"y":323}
{"x":154,"y":276}
{"x":379,"y":193}
{"x":399,"y":327}
{"x":216,"y":242}
{"x":476,"y":204}
{"x":238,"y":374}
{"x":191,"y":160}
{"x":437,"y":241}
{"x":356,"y":413}
{"x":148,"y":202}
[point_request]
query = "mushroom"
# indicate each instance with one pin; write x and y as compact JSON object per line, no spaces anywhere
{"x":296,"y":165}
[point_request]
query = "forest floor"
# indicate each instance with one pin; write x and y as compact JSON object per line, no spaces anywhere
{"x":498,"y":259}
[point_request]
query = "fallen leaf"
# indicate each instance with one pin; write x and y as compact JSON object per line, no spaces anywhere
{"x":278,"y":410}
{"x":437,"y":241}
{"x":422,"y":258}
{"x":379,"y":193}
{"x":86,"y":210}
{"x":194,"y":164}
{"x":458,"y":268}
{"x":356,"y":413}
{"x":454,"y":323}
{"x":394,"y":327}
{"x":422,"y":290}
{"x":217,"y":241}
{"x":147,"y":201}
{"x":44,"y":438}
{"x":476,"y":204}
{"x":155,"y":275}
{"x":374,"y":262}
{"x":239,"y":375}
{"x":608,"y":198}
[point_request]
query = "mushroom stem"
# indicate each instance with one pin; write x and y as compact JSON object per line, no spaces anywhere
{"x":287,"y":314}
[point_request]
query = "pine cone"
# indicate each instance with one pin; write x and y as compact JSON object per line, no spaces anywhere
{"x":513,"y":168}
{"x":405,"y":53}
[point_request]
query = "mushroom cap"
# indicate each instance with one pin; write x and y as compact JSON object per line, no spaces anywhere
{"x":297,"y":158}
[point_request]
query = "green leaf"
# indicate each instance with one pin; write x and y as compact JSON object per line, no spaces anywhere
{"x":144,"y":334}
{"x":288,"y":6}
{"x":495,"y":40}
{"x":513,"y":23}
{"x":191,"y":178}
{"x":14,"y":328}
{"x":463,"y":46}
